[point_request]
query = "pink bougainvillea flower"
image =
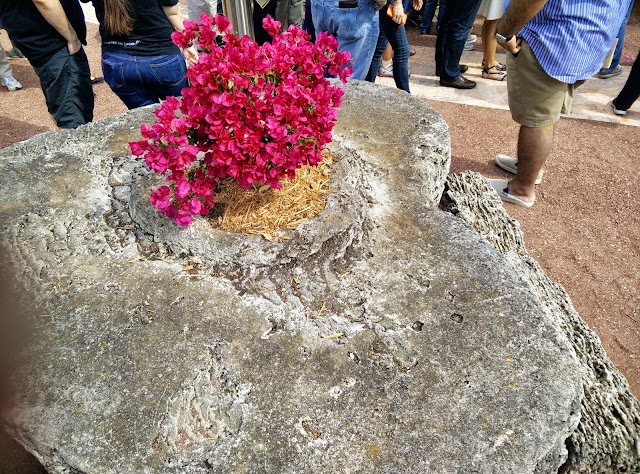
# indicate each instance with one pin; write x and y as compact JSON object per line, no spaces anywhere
{"x":253,"y":113}
{"x":160,"y":197}
{"x":183,"y":219}
{"x":183,"y":190}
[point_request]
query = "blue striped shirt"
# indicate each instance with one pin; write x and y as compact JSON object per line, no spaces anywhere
{"x":571,"y":38}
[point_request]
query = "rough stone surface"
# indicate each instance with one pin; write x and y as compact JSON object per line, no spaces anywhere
{"x":607,"y":438}
{"x":384,"y":335}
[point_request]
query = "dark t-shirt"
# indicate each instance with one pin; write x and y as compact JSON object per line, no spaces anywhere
{"x":151,"y":35}
{"x":32,"y":34}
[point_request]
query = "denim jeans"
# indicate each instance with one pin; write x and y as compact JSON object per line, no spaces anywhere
{"x":356,"y":30}
{"x":429,"y":11}
{"x":396,"y":35}
{"x":617,"y":54}
{"x":144,"y":80}
{"x":456,"y":25}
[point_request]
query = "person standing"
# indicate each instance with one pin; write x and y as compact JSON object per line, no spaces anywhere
{"x":140,"y":62}
{"x":287,"y":12}
{"x":392,"y":31}
{"x":290,"y":12}
{"x":355,"y":25}
{"x":262,"y":9}
{"x":195,"y":8}
{"x":491,"y":10}
{"x":614,"y":68}
{"x":428,"y":14}
{"x":6,"y":73}
{"x":50,"y":33}
{"x":453,"y":33}
{"x":307,"y":24}
{"x":630,"y":92}
{"x":544,"y":70}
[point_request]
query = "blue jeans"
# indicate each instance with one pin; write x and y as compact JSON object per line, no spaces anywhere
{"x":144,"y":80}
{"x":429,"y":11}
{"x":356,"y":30}
{"x":617,"y":54}
{"x":456,"y":25}
{"x":396,"y":35}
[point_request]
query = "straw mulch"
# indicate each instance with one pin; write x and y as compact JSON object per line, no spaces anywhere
{"x":262,"y":210}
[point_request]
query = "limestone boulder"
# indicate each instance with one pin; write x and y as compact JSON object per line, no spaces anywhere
{"x":384,"y":335}
{"x":607,"y":438}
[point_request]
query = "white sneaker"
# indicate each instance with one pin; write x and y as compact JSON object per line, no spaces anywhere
{"x":617,"y":111}
{"x":385,"y":71}
{"x":510,"y":164}
{"x":472,"y":38}
{"x":11,"y":83}
{"x":468,"y":46}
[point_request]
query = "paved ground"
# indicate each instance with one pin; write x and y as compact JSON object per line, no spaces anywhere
{"x":585,"y":227}
{"x":592,"y":103}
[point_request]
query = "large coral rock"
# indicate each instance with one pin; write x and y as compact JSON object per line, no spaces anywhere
{"x":384,"y":335}
{"x":607,"y":438}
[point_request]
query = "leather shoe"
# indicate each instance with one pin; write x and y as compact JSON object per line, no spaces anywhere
{"x":459,"y":82}
{"x":463,"y":68}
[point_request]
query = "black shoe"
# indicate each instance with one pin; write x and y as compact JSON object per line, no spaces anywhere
{"x":463,"y":68}
{"x":97,"y":80}
{"x":459,"y":82}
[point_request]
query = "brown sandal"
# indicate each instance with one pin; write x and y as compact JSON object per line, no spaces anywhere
{"x":494,"y":74}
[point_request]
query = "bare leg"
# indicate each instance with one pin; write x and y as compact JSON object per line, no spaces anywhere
{"x":388,"y":54}
{"x":534,"y":146}
{"x":489,"y":43}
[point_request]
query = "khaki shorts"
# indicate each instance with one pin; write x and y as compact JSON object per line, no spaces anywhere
{"x":535,"y":98}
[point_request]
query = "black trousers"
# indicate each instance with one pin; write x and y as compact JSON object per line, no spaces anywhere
{"x":66,"y":82}
{"x":260,"y":14}
{"x":631,"y":90}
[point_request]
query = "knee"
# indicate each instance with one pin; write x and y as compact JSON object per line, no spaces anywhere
{"x":402,"y":51}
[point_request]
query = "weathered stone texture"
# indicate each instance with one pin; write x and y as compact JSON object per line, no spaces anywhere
{"x":607,"y":438}
{"x":384,"y":335}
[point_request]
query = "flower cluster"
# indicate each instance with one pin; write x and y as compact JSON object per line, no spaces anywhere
{"x":252,"y":113}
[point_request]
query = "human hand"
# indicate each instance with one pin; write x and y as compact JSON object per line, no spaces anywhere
{"x":74,"y":46}
{"x":190,"y":55}
{"x":417,"y":4}
{"x":398,"y":13}
{"x":513,"y":45}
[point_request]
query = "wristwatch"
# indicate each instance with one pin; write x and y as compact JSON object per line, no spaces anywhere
{"x":502,"y":39}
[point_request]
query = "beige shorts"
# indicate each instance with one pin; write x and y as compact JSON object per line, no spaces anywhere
{"x":535,"y":98}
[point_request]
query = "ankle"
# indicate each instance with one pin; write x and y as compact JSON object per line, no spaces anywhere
{"x":523,"y":191}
